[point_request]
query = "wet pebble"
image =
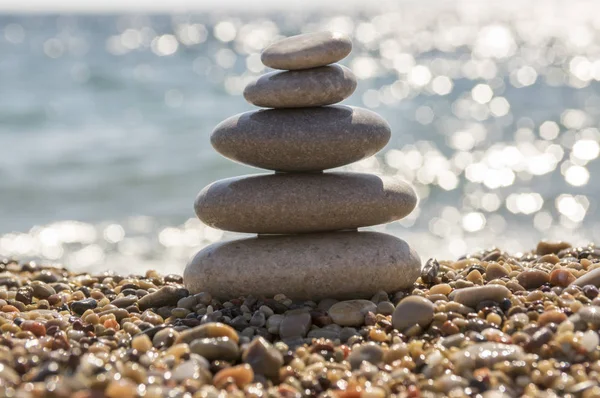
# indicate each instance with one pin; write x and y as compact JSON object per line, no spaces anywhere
{"x":351,"y":312}
{"x":412,"y":310}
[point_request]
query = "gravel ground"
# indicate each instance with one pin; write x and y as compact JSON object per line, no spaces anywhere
{"x":490,"y":324}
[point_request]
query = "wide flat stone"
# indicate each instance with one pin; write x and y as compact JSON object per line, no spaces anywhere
{"x":325,"y":85}
{"x":340,"y":265}
{"x":307,"y":51}
{"x":290,"y":203}
{"x":302,"y":139}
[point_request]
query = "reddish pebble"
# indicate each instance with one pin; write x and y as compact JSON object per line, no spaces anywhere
{"x":10,"y":308}
{"x":532,"y":278}
{"x":551,"y":317}
{"x":34,"y":327}
{"x":241,"y":375}
{"x":561,"y":277}
{"x":111,"y":324}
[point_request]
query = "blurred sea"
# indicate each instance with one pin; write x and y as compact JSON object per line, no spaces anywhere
{"x":105,"y":123}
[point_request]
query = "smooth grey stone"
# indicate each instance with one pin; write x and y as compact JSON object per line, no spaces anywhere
{"x":589,"y":278}
{"x":289,"y":203}
{"x":340,"y":265}
{"x":412,"y":310}
{"x":471,"y":296}
{"x":303,"y":139}
{"x":486,"y":354}
{"x":307,"y":51}
{"x":304,"y":88}
{"x":351,"y":312}
{"x":369,"y":352}
{"x":295,"y":324}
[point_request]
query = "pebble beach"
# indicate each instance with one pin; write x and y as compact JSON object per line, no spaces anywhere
{"x":489,"y":324}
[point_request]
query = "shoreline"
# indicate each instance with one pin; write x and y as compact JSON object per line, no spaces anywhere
{"x":489,"y":324}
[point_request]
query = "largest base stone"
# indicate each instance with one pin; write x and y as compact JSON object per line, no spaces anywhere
{"x":338,"y":265}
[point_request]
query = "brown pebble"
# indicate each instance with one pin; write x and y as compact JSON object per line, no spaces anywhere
{"x":212,"y":329}
{"x":551,"y":317}
{"x":241,"y":375}
{"x":495,"y":271}
{"x":561,"y":277}
{"x":545,"y":247}
{"x":532,"y":278}
{"x":34,"y":327}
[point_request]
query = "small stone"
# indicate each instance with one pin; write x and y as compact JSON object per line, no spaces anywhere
{"x":412,"y":310}
{"x":471,"y":296}
{"x":589,"y":341}
{"x":561,"y":277}
{"x":8,"y":374}
{"x":351,"y":312}
{"x":241,"y":375}
{"x":216,"y":348}
{"x":340,"y":265}
{"x":589,"y":278}
{"x":329,"y":203}
{"x":532,"y":278}
{"x":211,"y":329}
{"x":301,"y":139}
{"x":41,"y":289}
{"x":165,"y":338}
{"x":258,"y":319}
{"x":190,"y":370}
{"x":545,"y":247}
{"x":79,"y":307}
{"x":306,"y":51}
{"x":321,"y":86}
{"x":430,"y":271}
{"x":164,"y":297}
{"x":486,"y":354}
{"x":385,"y":308}
{"x":273,"y":323}
{"x":141,"y":343}
{"x":495,"y":271}
{"x":263,"y":357}
{"x":442,"y":288}
{"x":295,"y":324}
{"x":124,"y":302}
{"x":590,"y":314}
{"x":24,"y":295}
{"x":547,"y":317}
{"x":370,"y":352}
{"x":34,"y":327}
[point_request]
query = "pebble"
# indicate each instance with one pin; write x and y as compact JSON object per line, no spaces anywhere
{"x":190,"y":370}
{"x":306,"y":51}
{"x":79,"y":307}
{"x":412,"y":310}
{"x":165,"y":296}
{"x":295,"y":324}
{"x":545,"y":247}
{"x":369,"y":352}
{"x":561,"y":277}
{"x":42,"y":290}
{"x":589,"y":278}
{"x":385,"y":308}
{"x":321,"y":86}
{"x":215,"y":348}
{"x":263,"y":358}
{"x":241,"y":375}
{"x":590,"y":314}
{"x":471,"y":296}
{"x":495,"y":271}
{"x":211,"y":329}
{"x":351,"y":312}
{"x":486,"y":355}
{"x":533,"y":278}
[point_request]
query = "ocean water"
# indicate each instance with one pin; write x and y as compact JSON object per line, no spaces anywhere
{"x":105,"y":123}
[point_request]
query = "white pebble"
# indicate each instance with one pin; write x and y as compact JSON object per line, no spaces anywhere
{"x":590,"y":340}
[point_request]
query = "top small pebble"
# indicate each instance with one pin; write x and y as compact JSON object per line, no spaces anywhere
{"x":307,"y":51}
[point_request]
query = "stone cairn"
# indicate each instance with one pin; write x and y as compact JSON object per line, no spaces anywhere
{"x":308,"y":246}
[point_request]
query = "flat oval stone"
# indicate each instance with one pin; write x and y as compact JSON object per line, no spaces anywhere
{"x":471,"y":296}
{"x":303,"y":139}
{"x":307,"y":51}
{"x":300,"y":203}
{"x":296,"y":89}
{"x":342,"y":265}
{"x":589,"y":278}
{"x":351,"y":312}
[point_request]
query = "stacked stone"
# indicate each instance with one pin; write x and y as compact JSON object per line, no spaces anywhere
{"x":308,"y":246}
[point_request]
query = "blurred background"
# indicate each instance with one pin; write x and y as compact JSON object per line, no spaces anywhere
{"x":106,"y":109}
